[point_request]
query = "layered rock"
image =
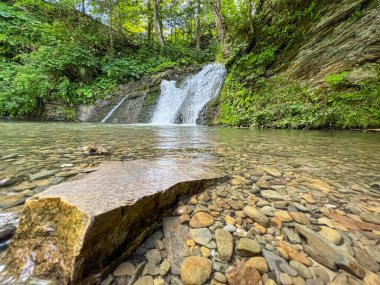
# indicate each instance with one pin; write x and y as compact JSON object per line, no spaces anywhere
{"x":75,"y":228}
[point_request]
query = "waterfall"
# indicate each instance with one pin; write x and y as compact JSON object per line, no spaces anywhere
{"x":183,"y":104}
{"x":104,"y":120}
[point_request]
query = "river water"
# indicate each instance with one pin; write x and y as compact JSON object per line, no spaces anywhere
{"x":38,"y":155}
{"x":346,"y":158}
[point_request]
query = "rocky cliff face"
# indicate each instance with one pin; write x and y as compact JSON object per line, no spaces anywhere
{"x":346,"y":38}
{"x":312,"y":64}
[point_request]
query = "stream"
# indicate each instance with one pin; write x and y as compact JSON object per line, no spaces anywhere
{"x":37,"y":155}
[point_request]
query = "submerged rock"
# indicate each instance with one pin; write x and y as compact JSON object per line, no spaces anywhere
{"x":195,"y":270}
{"x":8,"y":224}
{"x":74,"y":228}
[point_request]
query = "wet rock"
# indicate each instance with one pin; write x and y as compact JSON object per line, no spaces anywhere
{"x":331,"y":234}
{"x":327,"y":253}
{"x":145,"y":280}
{"x":285,"y":279}
{"x":370,"y":217}
{"x":300,"y":218}
{"x":274,"y":262}
{"x":259,"y":263}
{"x":366,"y":260}
{"x":159,"y":281}
{"x":230,"y":228}
{"x":205,"y":251}
{"x":374,"y":252}
{"x":200,"y":220}
{"x":108,"y":280}
{"x":268,"y":211}
{"x":68,"y":210}
{"x":256,"y":215}
{"x":353,"y":224}
{"x":247,"y":247}
{"x":137,"y":273}
{"x":247,"y":275}
{"x":93,"y":149}
{"x":195,"y":270}
{"x":283,"y":216}
{"x":153,"y":256}
{"x":164,"y":267}
{"x":201,"y":236}
{"x":346,"y":279}
{"x":371,"y":279}
{"x":124,"y":269}
{"x":319,"y":272}
{"x":272,"y":195}
{"x":220,"y":277}
{"x":291,"y":235}
{"x":301,"y":207}
{"x":151,"y":269}
{"x":176,"y":236}
{"x":185,"y":209}
{"x":288,"y":270}
{"x":8,"y":225}
{"x":184,"y":218}
{"x":41,"y":175}
{"x":224,"y":243}
{"x":294,"y":254}
{"x":272,"y":171}
{"x":276,"y":223}
{"x":301,"y":269}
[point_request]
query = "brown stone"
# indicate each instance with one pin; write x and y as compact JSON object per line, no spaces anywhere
{"x":283,"y":216}
{"x":353,"y":225}
{"x":247,"y":275}
{"x":294,"y":254}
{"x":82,"y":223}
{"x":195,"y":270}
{"x":201,"y":220}
{"x":185,"y":209}
{"x":308,"y":198}
{"x":276,"y":223}
{"x":259,"y":263}
{"x":327,"y":253}
{"x":300,"y":218}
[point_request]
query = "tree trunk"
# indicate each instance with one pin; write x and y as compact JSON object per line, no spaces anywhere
{"x":198,"y":45}
{"x":84,"y":7}
{"x":110,"y":25}
{"x":250,"y":11}
{"x":157,"y":23}
{"x":219,"y":21}
{"x":150,"y":20}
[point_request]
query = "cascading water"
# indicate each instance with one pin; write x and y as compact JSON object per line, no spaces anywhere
{"x":183,"y":104}
{"x":104,"y":120}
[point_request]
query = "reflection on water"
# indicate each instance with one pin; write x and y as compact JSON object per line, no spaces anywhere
{"x":54,"y":149}
{"x":36,"y":155}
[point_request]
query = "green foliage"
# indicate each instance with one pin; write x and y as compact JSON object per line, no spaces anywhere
{"x":122,"y":70}
{"x":337,"y":79}
{"x":281,"y":103}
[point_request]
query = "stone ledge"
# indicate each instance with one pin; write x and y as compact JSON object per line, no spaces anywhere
{"x":75,"y":228}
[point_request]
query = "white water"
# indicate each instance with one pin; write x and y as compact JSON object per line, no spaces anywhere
{"x":113,"y":110}
{"x":183,"y":104}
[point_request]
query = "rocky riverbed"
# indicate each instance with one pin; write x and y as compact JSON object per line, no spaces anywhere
{"x":305,"y":204}
{"x":269,"y":227}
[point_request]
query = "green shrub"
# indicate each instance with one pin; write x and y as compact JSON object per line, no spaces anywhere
{"x":122,"y":70}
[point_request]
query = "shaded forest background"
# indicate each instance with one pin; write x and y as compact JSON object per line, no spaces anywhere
{"x":77,"y":51}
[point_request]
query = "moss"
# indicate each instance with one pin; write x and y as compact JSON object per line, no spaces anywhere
{"x":149,"y":104}
{"x":280,"y":103}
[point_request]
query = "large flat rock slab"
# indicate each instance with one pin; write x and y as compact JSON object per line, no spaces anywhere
{"x":73,"y":229}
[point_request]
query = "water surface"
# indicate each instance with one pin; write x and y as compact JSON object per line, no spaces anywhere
{"x":28,"y":148}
